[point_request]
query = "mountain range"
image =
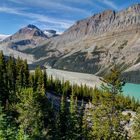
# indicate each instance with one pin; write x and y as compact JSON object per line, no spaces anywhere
{"x":92,"y":45}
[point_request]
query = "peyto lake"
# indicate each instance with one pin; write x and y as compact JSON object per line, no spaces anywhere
{"x":132,"y":90}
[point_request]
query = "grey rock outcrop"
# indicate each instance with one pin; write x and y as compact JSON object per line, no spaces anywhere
{"x":25,"y":38}
{"x":94,"y":44}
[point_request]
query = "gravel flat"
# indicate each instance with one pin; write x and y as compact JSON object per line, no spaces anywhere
{"x":75,"y":77}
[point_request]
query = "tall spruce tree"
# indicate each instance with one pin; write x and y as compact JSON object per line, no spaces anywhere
{"x":113,"y":82}
{"x":73,"y":119}
{"x":62,"y":123}
{"x":30,"y":113}
{"x":3,"y":80}
{"x":136,"y":126}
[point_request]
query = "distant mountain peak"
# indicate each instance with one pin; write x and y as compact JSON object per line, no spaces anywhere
{"x":27,"y":37}
{"x":50,"y":33}
{"x":134,"y":8}
{"x":32,"y":26}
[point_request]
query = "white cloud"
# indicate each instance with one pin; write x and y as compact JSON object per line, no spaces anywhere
{"x":110,"y":4}
{"x":38,"y":17}
{"x":54,"y":5}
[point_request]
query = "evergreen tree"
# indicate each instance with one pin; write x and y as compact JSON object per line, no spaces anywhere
{"x":133,"y":104}
{"x":2,"y":124}
{"x":113,"y":82}
{"x":7,"y":131}
{"x":62,"y":122}
{"x":38,"y":80}
{"x":19,"y":72}
{"x":11,"y":79}
{"x":45,"y":78}
{"x":21,"y":134}
{"x":136,"y":126}
{"x":30,"y":114}
{"x":26,"y":74}
{"x":73,"y":119}
{"x":80,"y":121}
{"x":106,"y":124}
{"x":3,"y":81}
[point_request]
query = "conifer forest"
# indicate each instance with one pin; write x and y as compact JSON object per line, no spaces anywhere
{"x":34,"y":106}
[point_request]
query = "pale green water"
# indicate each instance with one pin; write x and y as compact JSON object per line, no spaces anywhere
{"x":132,"y":90}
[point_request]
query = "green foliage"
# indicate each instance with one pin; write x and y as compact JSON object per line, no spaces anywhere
{"x":107,"y":123}
{"x":30,"y":113}
{"x":62,"y":121}
{"x":113,"y":82}
{"x":3,"y":81}
{"x":26,"y":113}
{"x":21,"y":134}
{"x":79,"y":62}
{"x":136,"y":126}
{"x":7,"y":130}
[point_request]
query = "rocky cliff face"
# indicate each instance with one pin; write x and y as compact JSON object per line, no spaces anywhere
{"x":27,"y":37}
{"x":94,"y":44}
{"x":103,"y":23}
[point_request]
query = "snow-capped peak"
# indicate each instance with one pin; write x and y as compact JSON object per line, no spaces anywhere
{"x":50,"y":33}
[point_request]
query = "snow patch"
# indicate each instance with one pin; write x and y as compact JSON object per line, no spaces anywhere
{"x":2,"y":36}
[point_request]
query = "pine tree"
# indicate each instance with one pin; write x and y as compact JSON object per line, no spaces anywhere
{"x":30,"y":114}
{"x":133,"y":104}
{"x":62,"y":120}
{"x":80,"y":121}
{"x":113,"y":82}
{"x":136,"y":126}
{"x":38,"y":80}
{"x":7,"y":131}
{"x":107,"y":124}
{"x":2,"y":124}
{"x":45,"y":78}
{"x":3,"y":80}
{"x":26,"y":74}
{"x":11,"y":79}
{"x":20,"y":74}
{"x":21,"y":134}
{"x":73,"y":119}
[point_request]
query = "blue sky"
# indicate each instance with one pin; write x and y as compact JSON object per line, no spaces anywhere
{"x":52,"y":14}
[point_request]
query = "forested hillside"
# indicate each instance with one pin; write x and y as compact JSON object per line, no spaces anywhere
{"x":83,"y":113}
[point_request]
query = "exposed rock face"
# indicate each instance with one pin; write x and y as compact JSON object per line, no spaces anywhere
{"x":94,"y":44}
{"x":105,"y":22}
{"x":27,"y":37}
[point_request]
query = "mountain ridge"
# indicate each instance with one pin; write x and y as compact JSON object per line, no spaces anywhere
{"x":94,"y":44}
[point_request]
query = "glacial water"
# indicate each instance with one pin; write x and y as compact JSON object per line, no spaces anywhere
{"x":132,"y":90}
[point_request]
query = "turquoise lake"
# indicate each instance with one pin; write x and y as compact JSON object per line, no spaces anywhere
{"x":132,"y":90}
